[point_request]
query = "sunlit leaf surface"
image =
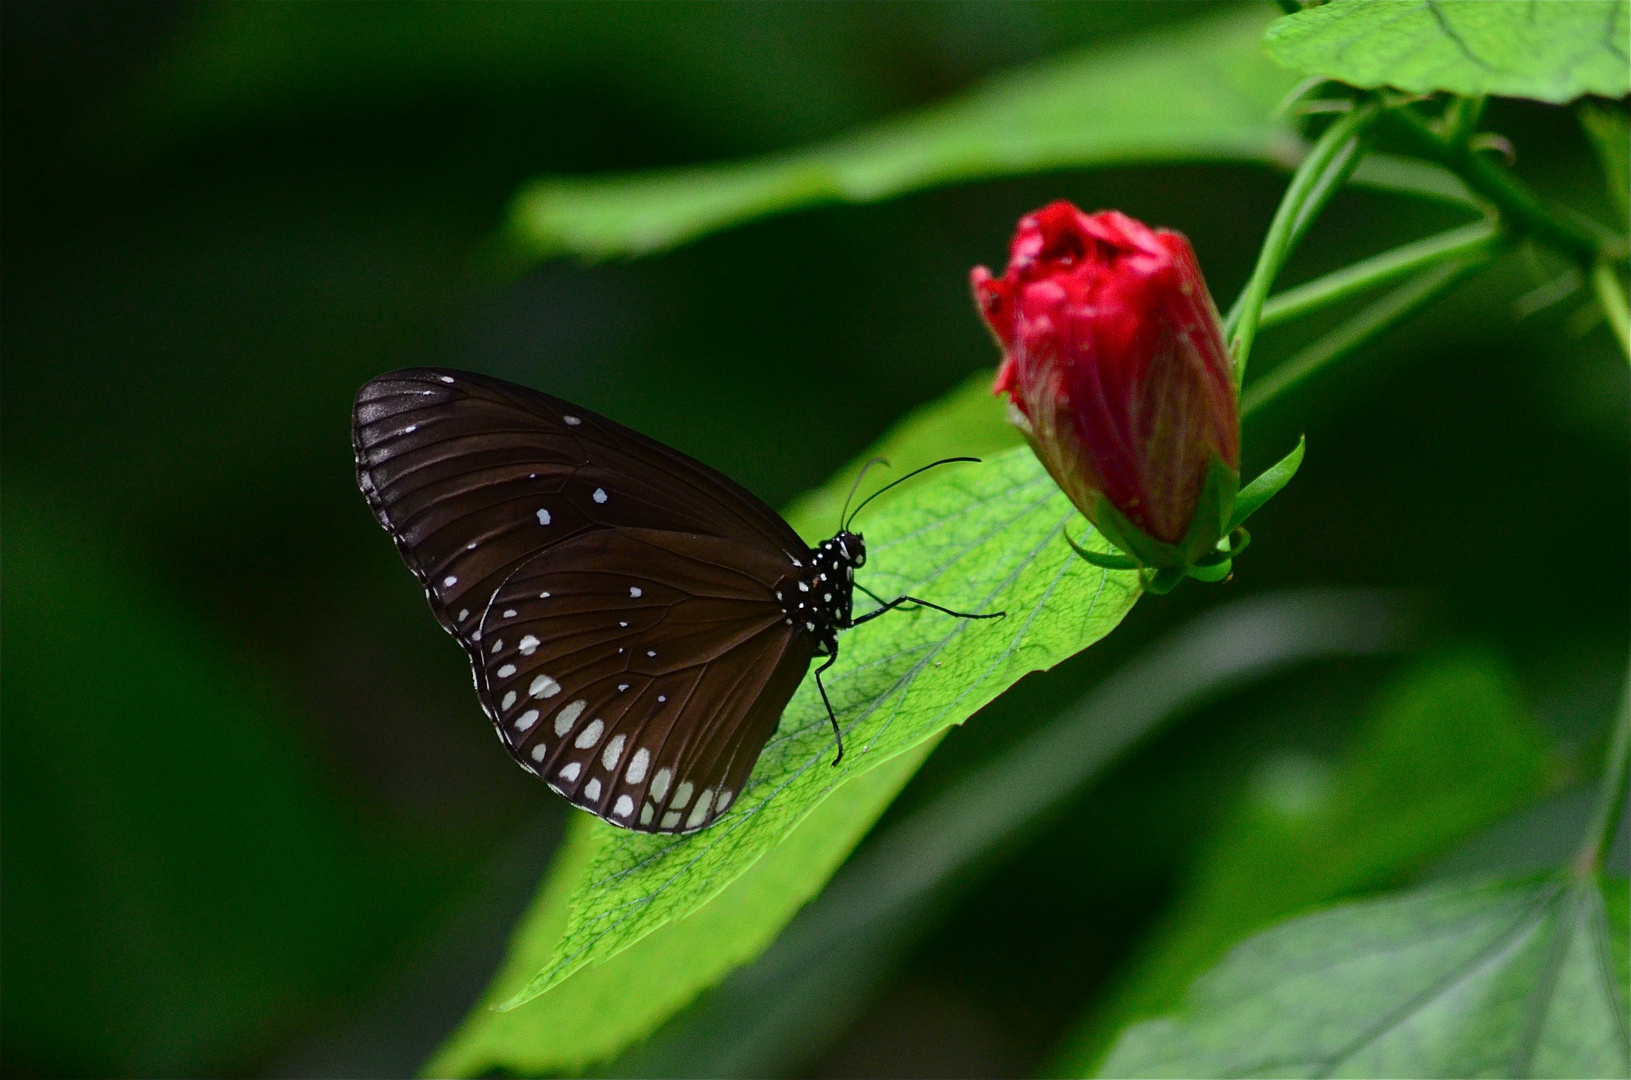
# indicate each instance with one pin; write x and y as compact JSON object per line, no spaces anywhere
{"x":1549,"y":51}
{"x":978,"y":538}
{"x":1498,"y":978}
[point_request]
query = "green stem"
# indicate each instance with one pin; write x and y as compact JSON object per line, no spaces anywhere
{"x":1336,"y":154}
{"x":1467,"y":242}
{"x":1520,"y":206}
{"x":1390,"y":309}
{"x":1611,"y":296}
{"x":1611,"y":795}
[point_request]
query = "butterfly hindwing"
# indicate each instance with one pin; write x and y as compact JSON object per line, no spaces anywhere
{"x":635,"y":671}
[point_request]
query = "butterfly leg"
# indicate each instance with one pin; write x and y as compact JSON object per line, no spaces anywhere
{"x":832,"y":716}
{"x":899,"y":600}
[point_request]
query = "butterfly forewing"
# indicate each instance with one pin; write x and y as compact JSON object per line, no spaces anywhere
{"x":618,"y":600}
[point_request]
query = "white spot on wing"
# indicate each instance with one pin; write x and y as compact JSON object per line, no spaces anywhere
{"x":570,"y":773}
{"x":591,"y":790}
{"x":446,"y":378}
{"x":506,"y":671}
{"x":449,"y":581}
{"x":540,"y":752}
{"x":526,"y":720}
{"x":600,"y":495}
{"x":572,"y":420}
{"x":613,"y":751}
{"x":637,"y":765}
{"x":509,"y":700}
{"x":543,"y":519}
{"x":464,"y":613}
{"x":509,"y":613}
{"x":659,"y":783}
{"x":682,"y":795}
{"x":634,"y":590}
{"x":646,"y":813}
{"x":497,"y":645}
{"x":624,"y":807}
{"x":725,"y":798}
{"x":671,"y":819}
{"x":568,"y":715}
{"x":544,"y":686}
{"x":704,"y":804}
{"x":588,"y":736}
{"x":529,"y":645}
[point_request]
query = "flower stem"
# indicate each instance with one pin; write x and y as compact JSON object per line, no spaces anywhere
{"x":1611,"y":296}
{"x":1581,"y":239}
{"x":1322,"y":172}
{"x":1466,"y":242}
{"x":1397,"y":305}
{"x":1611,"y":795}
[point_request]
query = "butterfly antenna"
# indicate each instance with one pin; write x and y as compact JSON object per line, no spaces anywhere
{"x":902,"y":480}
{"x":857,"y":487}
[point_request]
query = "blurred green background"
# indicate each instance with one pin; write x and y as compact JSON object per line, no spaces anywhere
{"x":254,"y":822}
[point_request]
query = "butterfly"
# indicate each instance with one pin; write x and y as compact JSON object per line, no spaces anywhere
{"x":636,"y":621}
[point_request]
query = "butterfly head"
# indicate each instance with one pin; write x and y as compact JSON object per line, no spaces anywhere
{"x":849,"y":548}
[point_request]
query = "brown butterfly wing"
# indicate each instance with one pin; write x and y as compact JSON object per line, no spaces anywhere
{"x":640,"y":672}
{"x":497,"y":495}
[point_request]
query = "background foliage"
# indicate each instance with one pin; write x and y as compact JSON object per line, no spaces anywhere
{"x":254,"y":822}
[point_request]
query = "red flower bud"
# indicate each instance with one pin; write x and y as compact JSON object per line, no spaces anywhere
{"x":1117,"y":373}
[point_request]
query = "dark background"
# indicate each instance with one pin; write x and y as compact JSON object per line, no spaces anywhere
{"x":253,"y":819}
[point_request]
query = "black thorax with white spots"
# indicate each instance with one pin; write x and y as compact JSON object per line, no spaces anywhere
{"x":817,"y":601}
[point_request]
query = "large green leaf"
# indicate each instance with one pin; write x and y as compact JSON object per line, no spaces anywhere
{"x":1518,"y":48}
{"x":575,"y":1023}
{"x":1198,"y":92}
{"x":1446,"y":751}
{"x":1497,"y":978}
{"x":982,"y":538}
{"x":603,"y":1008}
{"x":773,"y":1017}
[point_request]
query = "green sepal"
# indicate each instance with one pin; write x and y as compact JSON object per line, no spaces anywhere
{"x":1144,"y":548}
{"x":1267,"y":485}
{"x":1215,"y":572}
{"x":1108,"y":562}
{"x":1204,"y":553}
{"x":1161,"y":582}
{"x":1212,"y":512}
{"x":1212,"y":509}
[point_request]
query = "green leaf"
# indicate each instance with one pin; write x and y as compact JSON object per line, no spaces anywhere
{"x":574,"y":1024}
{"x":1446,"y":751}
{"x":603,"y":1008}
{"x":1267,"y":485}
{"x":1197,"y":92}
{"x":976,"y":538}
{"x":1497,"y":978}
{"x":969,"y":420}
{"x":773,"y":1017}
{"x":1516,"y":48}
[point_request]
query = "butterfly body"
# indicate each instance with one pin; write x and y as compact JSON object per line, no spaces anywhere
{"x":636,"y":622}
